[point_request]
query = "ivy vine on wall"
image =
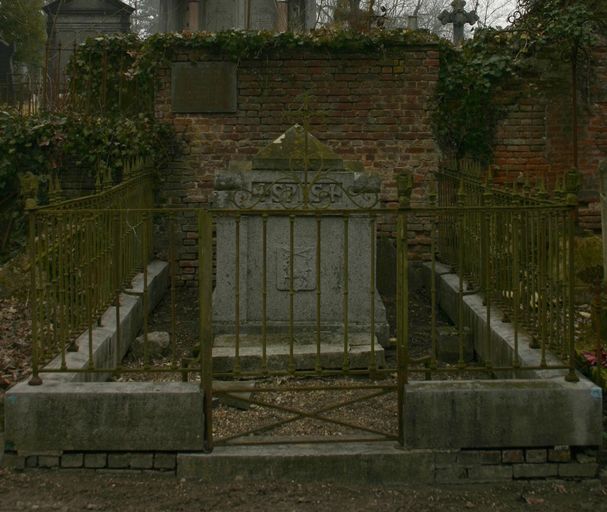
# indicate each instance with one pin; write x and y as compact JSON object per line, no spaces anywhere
{"x":479,"y":81}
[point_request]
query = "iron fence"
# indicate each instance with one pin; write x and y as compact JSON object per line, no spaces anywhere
{"x":83,"y":252}
{"x":515,"y":246}
{"x":517,"y":256}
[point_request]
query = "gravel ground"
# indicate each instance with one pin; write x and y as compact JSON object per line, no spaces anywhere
{"x":378,"y":413}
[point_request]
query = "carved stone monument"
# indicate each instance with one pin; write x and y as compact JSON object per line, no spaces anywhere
{"x":298,"y":273}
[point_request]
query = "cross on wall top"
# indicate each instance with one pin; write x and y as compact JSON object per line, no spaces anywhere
{"x":459,"y":17}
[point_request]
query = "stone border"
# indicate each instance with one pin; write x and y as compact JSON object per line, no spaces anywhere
{"x":539,"y":410}
{"x":381,"y":463}
{"x":107,"y":351}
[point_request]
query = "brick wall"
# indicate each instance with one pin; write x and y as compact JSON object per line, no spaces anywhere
{"x":535,"y":138}
{"x":373,"y":109}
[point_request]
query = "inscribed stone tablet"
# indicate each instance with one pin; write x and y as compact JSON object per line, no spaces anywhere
{"x":204,"y":87}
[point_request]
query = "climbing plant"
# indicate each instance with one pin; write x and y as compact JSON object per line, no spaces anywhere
{"x":53,"y":143}
{"x":117,"y":73}
{"x":476,"y":82}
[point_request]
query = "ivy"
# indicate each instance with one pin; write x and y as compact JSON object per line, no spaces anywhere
{"x":117,"y":73}
{"x":52,"y":143}
{"x":477,"y":82}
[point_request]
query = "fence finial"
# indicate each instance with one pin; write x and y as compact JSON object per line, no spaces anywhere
{"x":572,"y":186}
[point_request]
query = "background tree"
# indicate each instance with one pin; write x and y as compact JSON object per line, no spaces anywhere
{"x":145,"y":18}
{"x":394,"y":13}
{"x":22,"y":22}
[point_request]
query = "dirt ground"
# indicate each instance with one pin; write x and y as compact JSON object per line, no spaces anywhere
{"x":70,"y":492}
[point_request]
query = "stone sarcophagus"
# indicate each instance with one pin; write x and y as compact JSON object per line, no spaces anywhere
{"x":296,"y":235}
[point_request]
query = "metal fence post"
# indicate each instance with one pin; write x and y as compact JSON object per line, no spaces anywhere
{"x":35,"y":303}
{"x":205,"y":294}
{"x":405,"y":187}
{"x":572,"y":185}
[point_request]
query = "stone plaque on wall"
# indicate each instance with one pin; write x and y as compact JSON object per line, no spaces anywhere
{"x":204,"y":87}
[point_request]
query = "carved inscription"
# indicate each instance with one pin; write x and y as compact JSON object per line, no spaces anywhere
{"x":304,"y":273}
{"x":290,"y":193}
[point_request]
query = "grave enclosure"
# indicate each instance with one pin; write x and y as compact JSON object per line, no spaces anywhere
{"x":242,"y":176}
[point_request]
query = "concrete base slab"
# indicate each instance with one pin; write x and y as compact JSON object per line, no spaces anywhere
{"x":382,"y":462}
{"x":360,"y":352}
{"x":104,"y":417}
{"x":502,"y":413}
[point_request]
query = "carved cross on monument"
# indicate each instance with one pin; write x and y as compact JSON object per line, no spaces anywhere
{"x":459,"y":17}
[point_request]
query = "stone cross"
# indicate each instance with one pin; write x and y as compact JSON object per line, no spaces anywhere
{"x":459,"y":17}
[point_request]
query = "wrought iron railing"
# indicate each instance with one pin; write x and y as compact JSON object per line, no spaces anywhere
{"x":515,"y":246}
{"x":515,"y":250}
{"x":83,"y":252}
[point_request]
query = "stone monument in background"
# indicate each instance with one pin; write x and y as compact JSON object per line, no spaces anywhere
{"x":218,"y":15}
{"x":70,"y":22}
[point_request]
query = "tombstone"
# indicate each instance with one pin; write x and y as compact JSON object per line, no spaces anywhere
{"x":218,"y":15}
{"x":71,"y":22}
{"x":315,"y":277}
{"x":6,"y":72}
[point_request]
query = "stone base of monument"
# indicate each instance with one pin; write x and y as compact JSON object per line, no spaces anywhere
{"x":360,"y":353}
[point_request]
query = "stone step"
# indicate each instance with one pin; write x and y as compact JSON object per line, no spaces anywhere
{"x":360,"y":354}
{"x":361,"y":462}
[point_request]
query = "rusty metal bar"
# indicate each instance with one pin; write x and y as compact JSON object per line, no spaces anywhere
{"x":205,"y":297}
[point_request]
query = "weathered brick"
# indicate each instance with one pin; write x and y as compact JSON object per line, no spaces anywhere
{"x":577,"y":470}
{"x":13,"y":461}
{"x":72,"y":460}
{"x":513,"y":456}
{"x":535,"y":456}
{"x":491,"y":457}
{"x":586,"y":458}
{"x":119,"y":460}
{"x":95,"y":460}
{"x":559,"y":454}
{"x":490,"y":473}
{"x":48,"y":461}
{"x":165,"y":461}
{"x":142,"y":460}
{"x":534,"y":470}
